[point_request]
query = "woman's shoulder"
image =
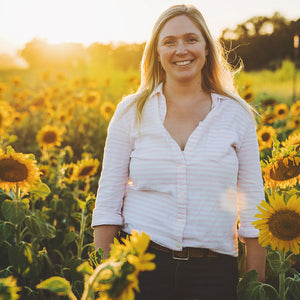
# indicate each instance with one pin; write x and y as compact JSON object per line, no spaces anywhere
{"x":126,"y":106}
{"x":126,"y":101}
{"x":235,"y":109}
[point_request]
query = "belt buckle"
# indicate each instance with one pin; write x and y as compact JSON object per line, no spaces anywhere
{"x":181,"y":258}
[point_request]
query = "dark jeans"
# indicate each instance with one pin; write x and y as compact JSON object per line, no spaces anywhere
{"x":210,"y":278}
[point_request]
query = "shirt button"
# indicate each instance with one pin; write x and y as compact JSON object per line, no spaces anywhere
{"x":182,"y":166}
{"x":181,"y":195}
{"x":177,"y":246}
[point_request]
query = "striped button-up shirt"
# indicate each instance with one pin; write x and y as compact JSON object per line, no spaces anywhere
{"x":202,"y":197}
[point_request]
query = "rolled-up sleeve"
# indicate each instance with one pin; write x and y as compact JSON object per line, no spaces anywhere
{"x":250,"y":183}
{"x":114,"y":175}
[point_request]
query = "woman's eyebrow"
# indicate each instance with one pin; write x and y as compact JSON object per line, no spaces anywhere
{"x":174,"y":36}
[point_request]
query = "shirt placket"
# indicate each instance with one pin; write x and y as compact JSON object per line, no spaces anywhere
{"x":181,"y":203}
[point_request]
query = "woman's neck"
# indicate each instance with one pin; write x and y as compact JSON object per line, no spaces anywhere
{"x":178,"y":92}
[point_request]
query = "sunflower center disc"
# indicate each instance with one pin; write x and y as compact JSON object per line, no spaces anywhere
{"x":265,"y":136}
{"x":282,"y":172}
{"x":12,"y":170}
{"x":86,"y":171}
{"x":49,"y":137}
{"x":285,"y":225}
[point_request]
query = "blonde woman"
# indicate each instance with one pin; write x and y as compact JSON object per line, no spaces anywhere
{"x":181,"y":163}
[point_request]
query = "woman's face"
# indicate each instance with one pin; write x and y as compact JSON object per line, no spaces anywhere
{"x":182,"y":50}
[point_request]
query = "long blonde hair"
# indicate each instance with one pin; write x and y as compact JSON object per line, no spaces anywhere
{"x":217,"y":74}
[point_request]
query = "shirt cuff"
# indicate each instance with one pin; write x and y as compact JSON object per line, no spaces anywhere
{"x":101,"y":217}
{"x":247,"y":231}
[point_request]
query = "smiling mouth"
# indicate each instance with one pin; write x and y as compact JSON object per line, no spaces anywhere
{"x":183,"y":63}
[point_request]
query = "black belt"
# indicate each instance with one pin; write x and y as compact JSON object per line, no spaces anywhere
{"x":185,"y":254}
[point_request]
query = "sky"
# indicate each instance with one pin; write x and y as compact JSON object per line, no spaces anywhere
{"x":104,"y":21}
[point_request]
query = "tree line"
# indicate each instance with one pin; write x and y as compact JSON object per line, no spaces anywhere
{"x":260,"y":42}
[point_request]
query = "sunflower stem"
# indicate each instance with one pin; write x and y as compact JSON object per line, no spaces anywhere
{"x":282,"y":293}
{"x":81,"y":234}
{"x":18,"y":193}
{"x":273,"y":289}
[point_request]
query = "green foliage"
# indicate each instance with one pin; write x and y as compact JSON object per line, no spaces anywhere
{"x":13,"y":211}
{"x":57,"y":285}
{"x":277,"y":264}
{"x":293,"y":285}
{"x":249,"y":288}
{"x":261,"y":42}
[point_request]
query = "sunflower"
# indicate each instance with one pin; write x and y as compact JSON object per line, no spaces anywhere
{"x":92,"y":98}
{"x":279,"y":223}
{"x":268,"y":118}
{"x":292,"y":140}
{"x":49,"y":136}
{"x":5,"y":121}
{"x":107,"y":109}
{"x":60,"y":77}
{"x":264,"y":137}
{"x":3,"y":87}
{"x":39,"y":102}
{"x":283,"y":172}
{"x":112,"y":271}
{"x":68,"y":171}
{"x":44,"y":170}
{"x":294,"y":122}
{"x":248,"y":95}
{"x":16,"y":81}
{"x":17,"y":169}
{"x":63,"y":116}
{"x":85,"y":168}
{"x":9,"y":288}
{"x":269,"y":102}
{"x":281,"y":110}
{"x":295,"y":108}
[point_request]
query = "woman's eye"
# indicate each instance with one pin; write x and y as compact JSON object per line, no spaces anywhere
{"x":192,"y":40}
{"x":169,"y":42}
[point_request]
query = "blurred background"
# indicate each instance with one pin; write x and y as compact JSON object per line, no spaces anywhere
{"x":65,"y":65}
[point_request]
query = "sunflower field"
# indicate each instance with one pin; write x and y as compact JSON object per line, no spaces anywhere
{"x":52,"y":134}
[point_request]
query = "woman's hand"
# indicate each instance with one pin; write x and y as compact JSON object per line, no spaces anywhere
{"x":104,"y":237}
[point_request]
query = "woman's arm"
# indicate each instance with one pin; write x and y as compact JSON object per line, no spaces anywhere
{"x":104,"y":236}
{"x":255,"y":257}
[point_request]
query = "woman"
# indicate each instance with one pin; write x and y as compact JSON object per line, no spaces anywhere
{"x":181,"y":163}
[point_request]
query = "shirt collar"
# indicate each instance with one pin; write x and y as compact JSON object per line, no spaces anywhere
{"x":158,"y":90}
{"x":214,"y":97}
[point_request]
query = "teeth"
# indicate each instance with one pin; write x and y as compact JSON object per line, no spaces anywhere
{"x":183,"y":63}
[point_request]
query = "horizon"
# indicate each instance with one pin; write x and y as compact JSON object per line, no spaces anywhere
{"x":77,"y":21}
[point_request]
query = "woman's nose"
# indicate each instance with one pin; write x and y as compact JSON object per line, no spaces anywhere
{"x":181,"y":48}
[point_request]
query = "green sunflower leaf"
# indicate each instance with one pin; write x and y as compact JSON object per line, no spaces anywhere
{"x":6,"y":230}
{"x":85,"y":268}
{"x":38,"y":227}
{"x":249,"y":288}
{"x":69,"y":238}
{"x":277,"y":264}
{"x":40,"y":190}
{"x":57,"y":285}
{"x":294,"y":285}
{"x":13,"y":211}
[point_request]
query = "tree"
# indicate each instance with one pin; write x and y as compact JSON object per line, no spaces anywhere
{"x":261,"y":42}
